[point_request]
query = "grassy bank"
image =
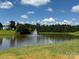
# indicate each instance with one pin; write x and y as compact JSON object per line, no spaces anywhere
{"x":51,"y":33}
{"x":75,"y":33}
{"x":64,"y":50}
{"x":7,"y":32}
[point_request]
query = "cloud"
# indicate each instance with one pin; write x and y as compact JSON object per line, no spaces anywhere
{"x":49,"y":19}
{"x":21,"y":22}
{"x":35,"y":2}
{"x":75,"y":9}
{"x":45,"y":21}
{"x":6,"y":5}
{"x":50,"y":9}
{"x":24,"y":16}
{"x":30,"y":12}
{"x":66,"y":22}
{"x":52,"y":21}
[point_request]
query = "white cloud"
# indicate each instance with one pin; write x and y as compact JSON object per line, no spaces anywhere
{"x":30,"y":12}
{"x":35,"y":2}
{"x":21,"y":22}
{"x":52,"y":21}
{"x":65,"y":22}
{"x":49,"y":19}
{"x":50,"y":9}
{"x":24,"y":16}
{"x":75,"y":9}
{"x":6,"y":5}
{"x":45,"y":21}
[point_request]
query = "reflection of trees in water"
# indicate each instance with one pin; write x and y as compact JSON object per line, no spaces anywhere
{"x":11,"y":39}
{"x":61,"y":37}
{"x":26,"y":40}
{"x":20,"y":37}
{"x":0,"y":41}
{"x":12,"y":42}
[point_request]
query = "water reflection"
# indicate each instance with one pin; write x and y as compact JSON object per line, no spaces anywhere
{"x":30,"y":40}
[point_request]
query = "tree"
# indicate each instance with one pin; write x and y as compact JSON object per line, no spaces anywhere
{"x":12,"y":25}
{"x":1,"y":26}
{"x":57,"y":28}
{"x":30,"y":27}
{"x":22,"y":29}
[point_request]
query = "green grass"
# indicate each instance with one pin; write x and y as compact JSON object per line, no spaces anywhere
{"x":75,"y":33}
{"x":51,"y":33}
{"x":54,"y":33}
{"x":7,"y":32}
{"x":66,"y":48}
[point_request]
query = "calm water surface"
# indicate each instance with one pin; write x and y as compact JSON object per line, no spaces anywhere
{"x":32,"y":40}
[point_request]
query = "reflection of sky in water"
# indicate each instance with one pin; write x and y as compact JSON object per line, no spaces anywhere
{"x":31,"y":40}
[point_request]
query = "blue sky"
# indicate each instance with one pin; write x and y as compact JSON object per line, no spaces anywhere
{"x":40,"y":11}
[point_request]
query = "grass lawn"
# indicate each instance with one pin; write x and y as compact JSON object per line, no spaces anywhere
{"x":47,"y":33}
{"x":66,"y":50}
{"x":7,"y":32}
{"x":50,"y":33}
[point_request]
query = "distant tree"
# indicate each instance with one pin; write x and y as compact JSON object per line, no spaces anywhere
{"x":22,"y":29}
{"x":12,"y":25}
{"x":38,"y":27}
{"x":30,"y":27}
{"x":1,"y":26}
{"x":57,"y":28}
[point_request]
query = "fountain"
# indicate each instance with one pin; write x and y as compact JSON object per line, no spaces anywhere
{"x":34,"y":33}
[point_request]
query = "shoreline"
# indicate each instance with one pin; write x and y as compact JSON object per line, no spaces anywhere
{"x":68,"y":48}
{"x":63,"y":33}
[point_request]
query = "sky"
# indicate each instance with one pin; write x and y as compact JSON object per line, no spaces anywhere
{"x":40,"y":11}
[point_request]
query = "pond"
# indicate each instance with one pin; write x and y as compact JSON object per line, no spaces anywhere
{"x":33,"y":40}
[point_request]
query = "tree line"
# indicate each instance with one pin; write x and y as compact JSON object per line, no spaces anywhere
{"x":28,"y":28}
{"x":10,"y":26}
{"x":57,"y":28}
{"x":18,"y":27}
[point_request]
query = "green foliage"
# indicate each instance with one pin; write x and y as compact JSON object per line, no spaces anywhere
{"x":12,"y":25}
{"x":57,"y":28}
{"x":22,"y":29}
{"x":30,"y":27}
{"x":1,"y":26}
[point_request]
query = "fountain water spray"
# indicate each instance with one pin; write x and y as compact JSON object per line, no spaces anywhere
{"x":34,"y":33}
